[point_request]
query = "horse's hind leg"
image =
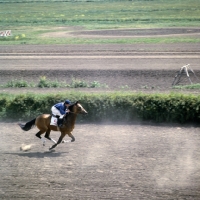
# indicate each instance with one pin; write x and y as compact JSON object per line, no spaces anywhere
{"x":39,"y":136}
{"x":47,"y":135}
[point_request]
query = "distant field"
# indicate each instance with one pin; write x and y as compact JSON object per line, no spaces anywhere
{"x":31,"y":18}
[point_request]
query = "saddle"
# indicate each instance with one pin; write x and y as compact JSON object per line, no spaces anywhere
{"x":54,"y":120}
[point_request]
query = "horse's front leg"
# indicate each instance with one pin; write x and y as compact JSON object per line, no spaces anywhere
{"x":58,"y":142}
{"x":71,"y":136}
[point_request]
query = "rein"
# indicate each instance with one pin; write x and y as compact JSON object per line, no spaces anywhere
{"x":72,"y":112}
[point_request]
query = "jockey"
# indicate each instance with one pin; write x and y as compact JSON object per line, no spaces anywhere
{"x":59,"y":110}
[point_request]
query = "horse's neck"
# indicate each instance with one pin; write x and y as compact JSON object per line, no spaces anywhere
{"x":72,"y":119}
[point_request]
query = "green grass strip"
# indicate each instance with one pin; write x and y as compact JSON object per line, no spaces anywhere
{"x":29,"y":19}
{"x":150,"y":40}
{"x":192,"y":86}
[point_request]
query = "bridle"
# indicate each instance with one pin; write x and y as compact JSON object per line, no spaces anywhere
{"x":72,"y":112}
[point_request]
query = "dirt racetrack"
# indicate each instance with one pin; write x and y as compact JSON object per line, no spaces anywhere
{"x":107,"y":161}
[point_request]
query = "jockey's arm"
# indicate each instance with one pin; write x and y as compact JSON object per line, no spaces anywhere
{"x":62,"y":112}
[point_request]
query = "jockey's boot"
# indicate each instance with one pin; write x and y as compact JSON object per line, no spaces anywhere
{"x":60,"y":122}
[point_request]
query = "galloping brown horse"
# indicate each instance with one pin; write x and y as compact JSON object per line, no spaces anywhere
{"x":43,"y":124}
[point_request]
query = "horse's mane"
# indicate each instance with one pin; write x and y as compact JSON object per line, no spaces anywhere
{"x":71,"y":106}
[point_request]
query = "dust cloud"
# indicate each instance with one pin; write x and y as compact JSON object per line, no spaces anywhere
{"x":180,"y":163}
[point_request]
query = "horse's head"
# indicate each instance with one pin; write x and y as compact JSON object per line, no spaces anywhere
{"x":77,"y":108}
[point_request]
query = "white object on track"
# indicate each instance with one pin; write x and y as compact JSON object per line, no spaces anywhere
{"x":25,"y":147}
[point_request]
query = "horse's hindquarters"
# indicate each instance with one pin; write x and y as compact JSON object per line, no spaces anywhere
{"x":43,"y":121}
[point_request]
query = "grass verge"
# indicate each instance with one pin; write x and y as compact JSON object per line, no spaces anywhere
{"x":29,"y":19}
{"x":192,"y":86}
{"x":45,"y":83}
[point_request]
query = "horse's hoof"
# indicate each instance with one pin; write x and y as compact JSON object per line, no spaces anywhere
{"x":43,"y":141}
{"x":50,"y":148}
{"x":53,"y":147}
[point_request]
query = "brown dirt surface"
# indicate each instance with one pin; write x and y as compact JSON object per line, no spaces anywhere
{"x":107,"y":161}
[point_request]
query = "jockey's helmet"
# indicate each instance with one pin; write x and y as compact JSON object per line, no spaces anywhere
{"x":67,"y":101}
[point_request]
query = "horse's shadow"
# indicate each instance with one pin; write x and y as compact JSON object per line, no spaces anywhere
{"x":45,"y":154}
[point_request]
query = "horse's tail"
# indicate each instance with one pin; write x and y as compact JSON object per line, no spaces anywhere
{"x":28,"y":125}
